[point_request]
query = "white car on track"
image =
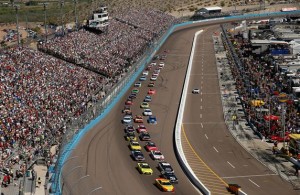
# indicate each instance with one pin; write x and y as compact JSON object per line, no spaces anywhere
{"x":147,"y":112}
{"x":157,"y":155}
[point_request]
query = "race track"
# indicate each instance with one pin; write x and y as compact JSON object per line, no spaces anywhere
{"x":101,"y":163}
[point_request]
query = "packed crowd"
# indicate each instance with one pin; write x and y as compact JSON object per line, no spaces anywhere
{"x":38,"y":94}
{"x":264,"y":87}
{"x":122,"y":43}
{"x":41,"y":92}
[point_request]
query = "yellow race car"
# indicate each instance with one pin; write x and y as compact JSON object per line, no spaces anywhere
{"x":134,"y":145}
{"x":144,"y":105}
{"x":130,"y":136}
{"x":144,"y":168}
{"x":164,"y":185}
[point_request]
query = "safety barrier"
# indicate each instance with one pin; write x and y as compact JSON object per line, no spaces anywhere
{"x":123,"y":85}
{"x":178,"y":145}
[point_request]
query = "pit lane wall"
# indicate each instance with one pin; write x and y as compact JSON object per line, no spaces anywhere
{"x":72,"y":139}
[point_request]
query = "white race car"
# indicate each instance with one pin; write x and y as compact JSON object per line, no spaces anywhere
{"x":147,"y":112}
{"x":157,"y":155}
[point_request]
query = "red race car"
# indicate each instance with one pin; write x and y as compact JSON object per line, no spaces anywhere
{"x":141,"y":128}
{"x":150,"y":146}
{"x":151,"y":91}
{"x":138,"y":119}
{"x":129,"y":103}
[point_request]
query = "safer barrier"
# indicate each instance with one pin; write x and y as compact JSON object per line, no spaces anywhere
{"x":72,"y":139}
{"x":178,"y":145}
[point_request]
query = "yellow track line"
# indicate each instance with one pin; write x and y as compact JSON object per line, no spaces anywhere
{"x":200,"y":158}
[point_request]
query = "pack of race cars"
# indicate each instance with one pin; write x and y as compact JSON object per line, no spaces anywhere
{"x":135,"y":129}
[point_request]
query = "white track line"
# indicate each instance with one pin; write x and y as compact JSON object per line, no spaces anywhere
{"x":202,"y":126}
{"x":215,"y":149}
{"x":254,"y":183}
{"x":231,"y":164}
{"x":205,"y":136}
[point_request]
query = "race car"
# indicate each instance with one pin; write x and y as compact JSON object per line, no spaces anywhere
{"x":151,"y":91}
{"x":126,"y":109}
{"x":141,"y":128}
{"x":152,"y":120}
{"x":135,"y":91}
{"x":145,"y":136}
{"x":153,"y":78}
{"x":151,"y":84}
{"x":147,"y":112}
{"x":130,"y":136}
{"x":165,"y":167}
{"x":170,"y":176}
{"x":145,"y":73}
{"x":129,"y":128}
{"x":137,"y":155}
{"x":150,"y":146}
{"x":134,"y":145}
{"x":161,"y":65}
{"x":144,"y":105}
{"x":164,"y":185}
{"x":133,"y":95}
{"x":138,"y":84}
{"x":138,"y":119}
{"x":157,"y":155}
{"x":143,"y":78}
{"x":127,"y":119}
{"x":129,"y":102}
{"x":144,"y":168}
{"x":147,"y":98}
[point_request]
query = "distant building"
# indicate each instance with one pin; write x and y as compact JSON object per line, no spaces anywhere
{"x":209,"y":10}
{"x":99,"y":19}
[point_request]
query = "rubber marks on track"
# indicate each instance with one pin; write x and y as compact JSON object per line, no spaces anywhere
{"x":210,"y":179}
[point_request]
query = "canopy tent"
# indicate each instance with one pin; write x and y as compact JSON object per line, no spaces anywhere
{"x":257,"y":103}
{"x":271,"y":118}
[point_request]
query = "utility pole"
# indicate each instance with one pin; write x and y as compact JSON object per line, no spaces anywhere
{"x":283,"y":111}
{"x":17,"y":7}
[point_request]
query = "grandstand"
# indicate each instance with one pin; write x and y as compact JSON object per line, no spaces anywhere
{"x":44,"y":90}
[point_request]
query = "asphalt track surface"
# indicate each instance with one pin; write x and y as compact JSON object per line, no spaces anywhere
{"x":207,"y":133}
{"x":101,"y":163}
{"x":102,"y":158}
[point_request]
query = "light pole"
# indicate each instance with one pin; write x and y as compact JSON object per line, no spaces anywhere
{"x":75,"y":12}
{"x":45,"y":20}
{"x":17,"y":7}
{"x":61,"y":17}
